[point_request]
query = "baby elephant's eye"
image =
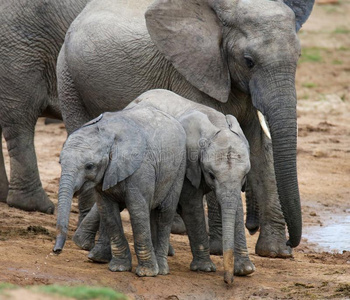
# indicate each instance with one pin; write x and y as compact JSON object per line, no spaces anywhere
{"x":89,"y":166}
{"x":212,"y":176}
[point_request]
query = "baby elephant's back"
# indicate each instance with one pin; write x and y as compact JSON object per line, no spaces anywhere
{"x":166,"y":140}
{"x":166,"y":152}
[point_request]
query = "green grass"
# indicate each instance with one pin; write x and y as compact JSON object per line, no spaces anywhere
{"x":342,"y":48}
{"x":312,"y":54}
{"x":341,"y":30}
{"x":337,"y":62}
{"x":309,"y":85}
{"x":331,"y":9}
{"x":83,"y":292}
{"x":6,"y":286}
{"x":75,"y":292}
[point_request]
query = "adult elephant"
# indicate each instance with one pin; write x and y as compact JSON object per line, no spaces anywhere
{"x":31,"y":35}
{"x":235,"y":56}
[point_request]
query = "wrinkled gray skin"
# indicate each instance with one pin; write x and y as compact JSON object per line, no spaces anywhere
{"x":217,"y":160}
{"x":31,"y":34}
{"x":135,"y":158}
{"x":234,"y":56}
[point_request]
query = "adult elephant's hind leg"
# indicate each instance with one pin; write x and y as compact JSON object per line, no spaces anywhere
{"x":262,"y":187}
{"x":25,"y":189}
{"x":4,"y":184}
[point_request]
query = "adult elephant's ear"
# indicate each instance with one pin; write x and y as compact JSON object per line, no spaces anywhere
{"x":127,"y":152}
{"x":189,"y":33}
{"x":302,"y":10}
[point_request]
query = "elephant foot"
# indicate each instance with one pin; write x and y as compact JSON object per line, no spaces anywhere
{"x":243,"y":266}
{"x":36,"y":200}
{"x":171,"y":250}
{"x":120,"y":264}
{"x":163,"y":266}
{"x":215,"y":246}
{"x":84,"y":240}
{"x":178,"y":226}
{"x":147,"y":270}
{"x":100,"y":253}
{"x":205,"y":265}
{"x":273,"y":246}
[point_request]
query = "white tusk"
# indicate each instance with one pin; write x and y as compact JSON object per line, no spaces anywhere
{"x":263,"y":124}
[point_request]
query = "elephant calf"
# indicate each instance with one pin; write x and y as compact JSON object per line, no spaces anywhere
{"x":134,"y":158}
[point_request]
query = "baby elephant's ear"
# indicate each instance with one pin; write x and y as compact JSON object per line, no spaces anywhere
{"x":126,"y":156}
{"x":236,"y":128}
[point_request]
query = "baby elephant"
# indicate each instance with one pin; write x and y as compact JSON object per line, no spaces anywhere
{"x":135,"y":158}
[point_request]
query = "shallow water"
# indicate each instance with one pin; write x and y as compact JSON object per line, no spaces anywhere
{"x":333,"y":237}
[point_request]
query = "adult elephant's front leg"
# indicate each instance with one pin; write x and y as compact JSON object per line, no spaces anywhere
{"x":263,"y":189}
{"x":25,"y":189}
{"x":4,"y":184}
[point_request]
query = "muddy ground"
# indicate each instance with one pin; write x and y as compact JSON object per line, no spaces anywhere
{"x":323,"y":86}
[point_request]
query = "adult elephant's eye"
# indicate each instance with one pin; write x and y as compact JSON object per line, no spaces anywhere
{"x":249,"y":62}
{"x":212,"y":176}
{"x":89,"y":166}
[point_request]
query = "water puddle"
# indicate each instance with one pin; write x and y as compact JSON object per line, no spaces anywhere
{"x":334,"y":237}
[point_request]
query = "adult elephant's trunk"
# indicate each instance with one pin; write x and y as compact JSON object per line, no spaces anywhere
{"x":65,"y":195}
{"x":228,"y":202}
{"x":276,"y":99}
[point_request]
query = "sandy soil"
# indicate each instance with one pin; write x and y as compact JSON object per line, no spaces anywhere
{"x":26,"y":239}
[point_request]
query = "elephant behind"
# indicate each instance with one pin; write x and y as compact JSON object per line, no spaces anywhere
{"x":234,"y":56}
{"x":31,"y":35}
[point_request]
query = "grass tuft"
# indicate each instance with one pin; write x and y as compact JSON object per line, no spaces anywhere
{"x":341,"y":30}
{"x":6,"y":286}
{"x":83,"y":292}
{"x":309,"y":85}
{"x":312,"y":54}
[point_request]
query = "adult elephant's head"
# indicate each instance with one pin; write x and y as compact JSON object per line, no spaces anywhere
{"x":252,"y":45}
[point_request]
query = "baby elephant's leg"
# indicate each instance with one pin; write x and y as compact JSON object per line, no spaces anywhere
{"x":114,"y":247}
{"x":84,"y":236}
{"x":160,"y":220}
{"x":243,"y":265}
{"x":138,"y":207}
{"x":192,"y":211}
{"x":101,"y":252}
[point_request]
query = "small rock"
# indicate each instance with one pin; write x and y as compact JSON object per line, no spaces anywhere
{"x":319,"y":153}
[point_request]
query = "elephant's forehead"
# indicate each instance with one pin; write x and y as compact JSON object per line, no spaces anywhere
{"x":263,"y":13}
{"x":81,"y":145}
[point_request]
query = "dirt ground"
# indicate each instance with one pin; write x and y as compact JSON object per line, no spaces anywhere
{"x":323,"y":85}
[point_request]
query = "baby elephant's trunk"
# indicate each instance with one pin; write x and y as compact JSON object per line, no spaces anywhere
{"x":65,"y":195}
{"x":228,"y":211}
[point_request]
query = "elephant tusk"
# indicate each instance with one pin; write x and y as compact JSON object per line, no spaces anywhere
{"x":263,"y":124}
